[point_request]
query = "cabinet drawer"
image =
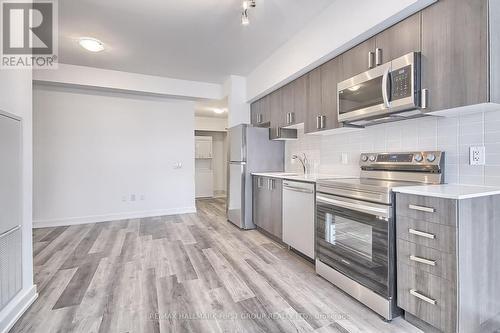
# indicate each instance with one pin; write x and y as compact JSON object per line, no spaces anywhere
{"x":436,"y":210}
{"x":433,"y":235}
{"x":427,"y":296}
{"x":429,"y":260}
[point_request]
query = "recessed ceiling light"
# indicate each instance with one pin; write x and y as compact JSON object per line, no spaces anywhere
{"x":219,"y":111}
{"x":91,"y":44}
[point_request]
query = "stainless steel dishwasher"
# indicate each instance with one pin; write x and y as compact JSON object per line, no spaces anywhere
{"x":298,"y":216}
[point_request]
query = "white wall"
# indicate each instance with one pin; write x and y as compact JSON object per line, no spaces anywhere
{"x":339,"y":27}
{"x":94,"y":150}
{"x":453,"y":135}
{"x":90,"y":77}
{"x":210,"y":124}
{"x":235,"y":88}
{"x":16,"y":98}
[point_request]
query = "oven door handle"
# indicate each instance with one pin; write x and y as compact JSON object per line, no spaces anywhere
{"x":380,"y":212}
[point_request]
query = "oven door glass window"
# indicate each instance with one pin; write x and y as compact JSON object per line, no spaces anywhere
{"x":354,"y":243}
{"x":361,"y":96}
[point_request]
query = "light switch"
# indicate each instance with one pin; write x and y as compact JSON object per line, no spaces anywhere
{"x":345,"y":158}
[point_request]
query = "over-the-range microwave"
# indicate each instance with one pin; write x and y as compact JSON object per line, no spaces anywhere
{"x":381,"y":94}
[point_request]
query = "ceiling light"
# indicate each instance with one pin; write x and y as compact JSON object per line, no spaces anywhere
{"x":244,"y":18}
{"x":355,"y":88}
{"x":219,"y":111}
{"x":91,"y":44}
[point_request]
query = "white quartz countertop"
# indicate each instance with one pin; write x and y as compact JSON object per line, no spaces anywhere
{"x":310,"y":178}
{"x":449,"y":191}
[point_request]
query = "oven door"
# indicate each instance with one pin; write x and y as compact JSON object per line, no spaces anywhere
{"x":364,"y":95}
{"x":356,"y":238}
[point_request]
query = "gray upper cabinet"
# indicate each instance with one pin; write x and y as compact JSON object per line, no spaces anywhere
{"x":398,"y":40}
{"x":330,"y":74}
{"x":276,"y":108}
{"x":288,"y":109}
{"x":260,"y":112}
{"x":357,"y":59}
{"x":299,"y":99}
{"x":313,"y":120}
{"x":455,"y":53}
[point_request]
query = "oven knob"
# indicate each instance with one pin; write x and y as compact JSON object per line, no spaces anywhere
{"x":372,"y":158}
{"x":364,"y":158}
{"x":419,"y":157}
{"x":431,"y":157}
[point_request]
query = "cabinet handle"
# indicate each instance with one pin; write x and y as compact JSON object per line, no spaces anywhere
{"x":424,"y":103}
{"x":378,"y":56}
{"x":423,"y":260}
{"x":422,"y":208}
{"x":371,"y":61}
{"x":422,"y":297}
{"x":421,"y":233}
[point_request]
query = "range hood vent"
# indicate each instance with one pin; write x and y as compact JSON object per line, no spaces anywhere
{"x":387,"y":118}
{"x":281,"y":134}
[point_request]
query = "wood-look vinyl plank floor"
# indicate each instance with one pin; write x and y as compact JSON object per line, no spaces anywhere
{"x":183,"y":273}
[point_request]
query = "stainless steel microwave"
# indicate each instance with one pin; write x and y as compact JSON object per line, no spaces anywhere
{"x":381,"y":92}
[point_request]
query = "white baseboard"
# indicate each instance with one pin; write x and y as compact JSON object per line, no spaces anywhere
{"x":15,"y":309}
{"x":110,"y":217}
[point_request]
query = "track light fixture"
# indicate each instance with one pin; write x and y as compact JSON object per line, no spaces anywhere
{"x":247,"y":4}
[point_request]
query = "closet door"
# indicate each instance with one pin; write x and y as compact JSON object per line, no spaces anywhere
{"x":10,"y":209}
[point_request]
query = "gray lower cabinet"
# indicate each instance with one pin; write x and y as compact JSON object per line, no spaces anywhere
{"x":267,"y":205}
{"x":448,"y":262}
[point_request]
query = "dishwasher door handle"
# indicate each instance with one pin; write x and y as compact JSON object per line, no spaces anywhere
{"x":297,"y":189}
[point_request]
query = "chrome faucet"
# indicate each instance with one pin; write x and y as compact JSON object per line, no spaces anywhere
{"x":302,"y":160}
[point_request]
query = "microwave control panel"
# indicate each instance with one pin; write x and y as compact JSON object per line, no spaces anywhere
{"x":401,"y":82}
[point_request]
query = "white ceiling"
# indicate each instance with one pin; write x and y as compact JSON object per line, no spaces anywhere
{"x":187,"y":39}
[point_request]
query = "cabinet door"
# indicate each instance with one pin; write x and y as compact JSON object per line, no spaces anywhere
{"x":276,"y":223}
{"x":330,"y":73}
{"x":355,"y":60}
{"x":276,"y":103}
{"x":400,"y":39}
{"x":265,"y":110}
{"x":455,"y":53}
{"x":288,"y":109}
{"x":313,"y":101}
{"x":254,"y":112}
{"x":300,"y":99}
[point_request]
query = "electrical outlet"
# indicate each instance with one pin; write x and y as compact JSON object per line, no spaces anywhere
{"x":132,"y":197}
{"x":477,"y":155}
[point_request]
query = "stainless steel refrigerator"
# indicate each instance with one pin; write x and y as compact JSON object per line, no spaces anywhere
{"x":250,"y":150}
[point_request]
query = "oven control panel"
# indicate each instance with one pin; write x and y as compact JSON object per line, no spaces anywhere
{"x":408,"y":158}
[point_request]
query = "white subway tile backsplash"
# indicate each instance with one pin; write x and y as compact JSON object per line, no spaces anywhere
{"x":453,"y":135}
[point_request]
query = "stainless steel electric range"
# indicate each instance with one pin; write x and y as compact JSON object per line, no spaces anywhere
{"x":355,"y":225}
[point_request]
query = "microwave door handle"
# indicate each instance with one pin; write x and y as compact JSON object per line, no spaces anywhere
{"x":385,"y":94}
